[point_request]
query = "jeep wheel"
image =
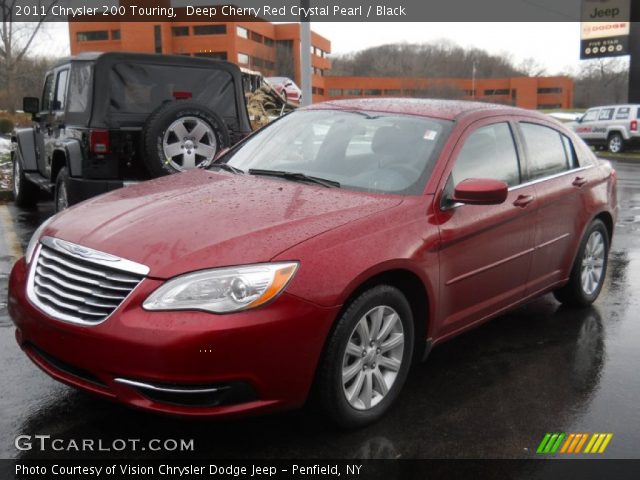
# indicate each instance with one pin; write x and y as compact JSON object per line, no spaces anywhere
{"x":182,"y":135}
{"x":615,"y":143}
{"x":62,"y":190}
{"x":25,"y":193}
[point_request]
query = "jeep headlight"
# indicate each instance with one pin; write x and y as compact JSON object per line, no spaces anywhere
{"x":223,"y":290}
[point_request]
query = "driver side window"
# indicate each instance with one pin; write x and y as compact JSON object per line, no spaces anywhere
{"x":489,"y":152}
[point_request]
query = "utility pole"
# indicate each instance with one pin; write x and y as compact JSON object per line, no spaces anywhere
{"x":305,"y":55}
{"x":634,"y":52}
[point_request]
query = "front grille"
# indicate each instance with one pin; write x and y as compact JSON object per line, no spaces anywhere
{"x":80,"y":285}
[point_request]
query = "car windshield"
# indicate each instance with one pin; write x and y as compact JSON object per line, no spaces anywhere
{"x":366,"y":151}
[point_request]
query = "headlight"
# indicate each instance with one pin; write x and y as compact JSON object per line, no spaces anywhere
{"x":35,"y":238}
{"x":223,"y":290}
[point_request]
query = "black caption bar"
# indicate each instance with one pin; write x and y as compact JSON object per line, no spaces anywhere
{"x":292,"y":10}
{"x":317,"y":469}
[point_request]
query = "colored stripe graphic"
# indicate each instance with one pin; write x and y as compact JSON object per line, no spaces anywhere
{"x":572,"y":443}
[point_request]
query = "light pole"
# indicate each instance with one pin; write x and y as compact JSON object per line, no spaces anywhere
{"x":305,"y":54}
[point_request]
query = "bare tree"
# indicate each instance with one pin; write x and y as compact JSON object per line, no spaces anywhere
{"x":16,"y":39}
{"x":601,"y":81}
{"x":532,"y":68}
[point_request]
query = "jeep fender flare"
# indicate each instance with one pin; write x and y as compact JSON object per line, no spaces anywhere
{"x":26,"y":143}
{"x":72,"y":151}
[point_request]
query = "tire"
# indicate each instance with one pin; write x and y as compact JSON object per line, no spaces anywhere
{"x":591,"y":257}
{"x":61,"y":196}
{"x":170,"y":147}
{"x":390,"y":367}
{"x":25,"y":193}
{"x":615,"y":143}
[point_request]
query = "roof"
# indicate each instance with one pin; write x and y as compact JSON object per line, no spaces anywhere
{"x":111,"y":57}
{"x":444,"y":109}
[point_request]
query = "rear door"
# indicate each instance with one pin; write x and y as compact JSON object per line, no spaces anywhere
{"x":485,"y":250}
{"x":560,"y":182}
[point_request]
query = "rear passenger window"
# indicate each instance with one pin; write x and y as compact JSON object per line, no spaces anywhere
{"x":489,"y":152}
{"x":606,"y":114}
{"x":622,"y":113}
{"x":590,"y":116}
{"x":546,"y":150}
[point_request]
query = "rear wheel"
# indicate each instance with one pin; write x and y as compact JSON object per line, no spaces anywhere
{"x":367,"y":358}
{"x":589,"y":268}
{"x":615,"y":143}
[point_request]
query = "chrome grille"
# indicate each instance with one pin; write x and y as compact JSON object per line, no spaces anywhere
{"x":80,"y":285}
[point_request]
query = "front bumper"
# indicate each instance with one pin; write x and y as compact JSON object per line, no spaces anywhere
{"x":259,"y":360}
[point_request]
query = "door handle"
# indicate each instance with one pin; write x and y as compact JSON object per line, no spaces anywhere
{"x":579,"y":181}
{"x":523,"y":200}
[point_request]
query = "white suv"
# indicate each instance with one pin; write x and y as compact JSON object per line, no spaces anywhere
{"x":613,"y":126}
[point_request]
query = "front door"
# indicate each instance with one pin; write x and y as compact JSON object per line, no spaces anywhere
{"x":486,"y":250}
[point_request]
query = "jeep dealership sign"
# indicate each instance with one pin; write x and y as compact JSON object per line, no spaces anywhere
{"x":604,"y":28}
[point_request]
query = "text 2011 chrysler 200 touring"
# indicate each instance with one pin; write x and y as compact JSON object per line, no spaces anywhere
{"x":318,"y":258}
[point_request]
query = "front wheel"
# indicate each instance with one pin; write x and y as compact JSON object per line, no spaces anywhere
{"x":367,"y":358}
{"x":615,"y":143}
{"x":589,"y":268}
{"x":25,"y":193}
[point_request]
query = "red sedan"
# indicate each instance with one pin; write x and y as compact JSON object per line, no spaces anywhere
{"x":318,"y":258}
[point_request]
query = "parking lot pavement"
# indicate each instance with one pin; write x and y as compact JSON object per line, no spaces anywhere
{"x":491,"y":393}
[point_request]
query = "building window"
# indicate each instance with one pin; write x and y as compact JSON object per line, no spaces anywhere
{"x":317,"y":91}
{"x":115,"y":34}
{"x":256,"y":37}
{"x":243,"y":58}
{"x":180,"y":31}
{"x":497,"y":91}
{"x":242,"y":32}
{"x":550,"y":90}
{"x":209,"y":29}
{"x":353,"y":92}
{"x":335,"y":92}
{"x":373,"y":91}
{"x":157,"y":38}
{"x":216,"y":55}
{"x":470,"y":93}
{"x":270,"y":65}
{"x":393,"y":92}
{"x":318,"y":71}
{"x":92,"y":36}
{"x":549,"y":106}
{"x":269,"y":42}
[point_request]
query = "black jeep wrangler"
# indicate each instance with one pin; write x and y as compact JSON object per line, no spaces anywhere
{"x":106,"y":119}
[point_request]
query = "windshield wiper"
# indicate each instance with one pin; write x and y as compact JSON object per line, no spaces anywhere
{"x":227,"y":167}
{"x":295,"y":176}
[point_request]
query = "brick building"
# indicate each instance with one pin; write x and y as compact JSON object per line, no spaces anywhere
{"x":274,"y":50}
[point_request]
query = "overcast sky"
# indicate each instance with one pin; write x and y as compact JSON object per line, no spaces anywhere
{"x":555,"y":45}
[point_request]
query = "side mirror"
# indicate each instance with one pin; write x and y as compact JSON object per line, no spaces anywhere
{"x":481,"y":191}
{"x":31,"y":105}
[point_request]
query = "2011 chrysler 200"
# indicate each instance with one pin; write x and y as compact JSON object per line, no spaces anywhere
{"x":318,"y":258}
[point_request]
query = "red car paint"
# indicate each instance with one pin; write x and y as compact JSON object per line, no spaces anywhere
{"x":472,"y":262}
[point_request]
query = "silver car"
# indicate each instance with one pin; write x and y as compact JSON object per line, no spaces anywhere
{"x":613,"y":126}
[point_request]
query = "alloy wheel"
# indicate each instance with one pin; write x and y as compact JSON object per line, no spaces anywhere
{"x":615,"y":144}
{"x":188,"y":142}
{"x":373,"y":357}
{"x":592,"y":263}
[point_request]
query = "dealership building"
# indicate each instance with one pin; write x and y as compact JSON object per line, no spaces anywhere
{"x":274,"y":50}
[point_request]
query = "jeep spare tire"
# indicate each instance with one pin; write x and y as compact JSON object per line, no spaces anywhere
{"x":181,"y":135}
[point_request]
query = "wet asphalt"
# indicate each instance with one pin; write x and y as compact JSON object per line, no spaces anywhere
{"x":491,"y":393}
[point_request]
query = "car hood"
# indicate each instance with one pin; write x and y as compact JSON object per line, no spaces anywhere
{"x":201,"y":219}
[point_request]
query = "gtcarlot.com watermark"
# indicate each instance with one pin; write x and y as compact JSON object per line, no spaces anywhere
{"x":45,"y":443}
